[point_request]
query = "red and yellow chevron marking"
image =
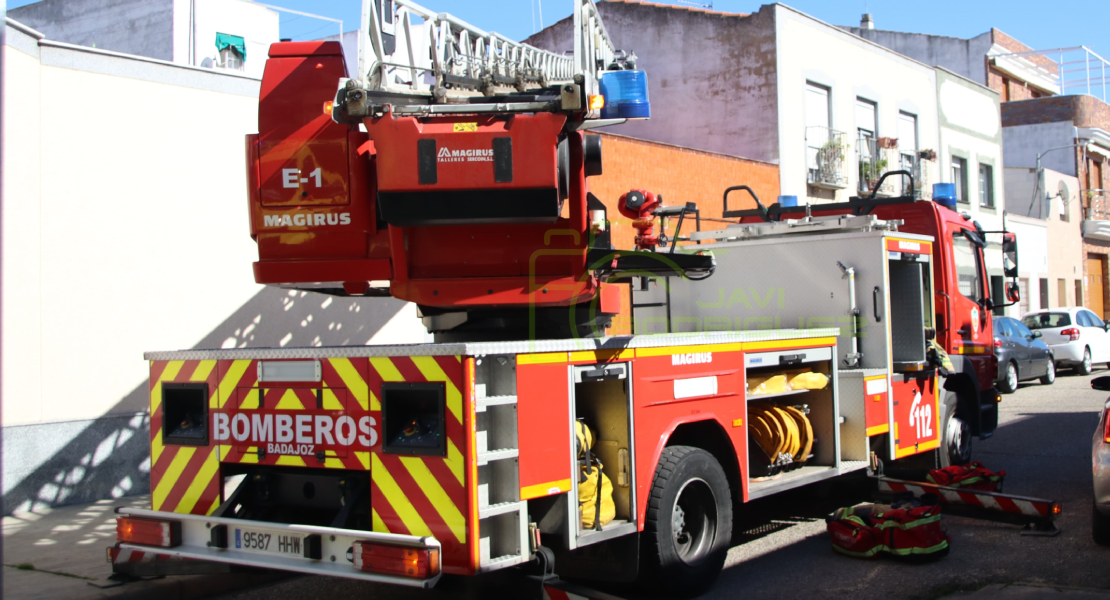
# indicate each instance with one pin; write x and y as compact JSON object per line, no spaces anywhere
{"x":343,"y":390}
{"x":183,"y":479}
{"x":425,"y":495}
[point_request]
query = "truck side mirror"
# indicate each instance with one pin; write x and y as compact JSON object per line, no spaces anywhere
{"x":1009,"y":255}
{"x":1012,"y":292}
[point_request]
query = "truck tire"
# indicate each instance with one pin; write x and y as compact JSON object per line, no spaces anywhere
{"x":689,"y":523}
{"x":1009,"y":383}
{"x":1100,"y":526}
{"x":955,"y":445}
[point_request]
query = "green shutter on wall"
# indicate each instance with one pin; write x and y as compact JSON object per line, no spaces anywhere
{"x":224,"y":40}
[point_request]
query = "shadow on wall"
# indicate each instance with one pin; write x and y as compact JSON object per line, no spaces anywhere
{"x":55,"y":464}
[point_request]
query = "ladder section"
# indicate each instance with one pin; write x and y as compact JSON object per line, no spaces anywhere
{"x":502,"y":516}
{"x":408,"y":49}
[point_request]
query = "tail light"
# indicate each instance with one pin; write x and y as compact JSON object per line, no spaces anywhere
{"x":148,"y":532}
{"x":1072,"y":333}
{"x":997,"y":345}
{"x":418,"y":563}
{"x":1106,"y":426}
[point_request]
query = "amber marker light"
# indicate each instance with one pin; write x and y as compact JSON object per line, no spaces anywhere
{"x":328,"y":106}
{"x":597,"y":102}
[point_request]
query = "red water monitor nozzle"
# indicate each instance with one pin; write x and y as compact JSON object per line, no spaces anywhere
{"x":640,"y":205}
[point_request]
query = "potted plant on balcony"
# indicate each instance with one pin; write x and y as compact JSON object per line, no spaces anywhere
{"x":830,"y":157}
{"x":871,"y":170}
{"x":927,"y":154}
{"x":888,"y":143}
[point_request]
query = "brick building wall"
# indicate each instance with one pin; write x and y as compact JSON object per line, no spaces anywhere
{"x":1009,"y":88}
{"x":681,"y":175}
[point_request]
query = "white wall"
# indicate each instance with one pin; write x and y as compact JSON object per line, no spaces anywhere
{"x":1032,"y":236}
{"x":124,"y":229}
{"x":809,"y":50}
{"x":1022,"y":143}
{"x":257,"y":25}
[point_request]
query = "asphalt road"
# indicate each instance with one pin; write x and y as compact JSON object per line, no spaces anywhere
{"x":1043,"y":442}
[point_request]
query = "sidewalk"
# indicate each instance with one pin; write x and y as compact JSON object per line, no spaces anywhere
{"x":57,"y":553}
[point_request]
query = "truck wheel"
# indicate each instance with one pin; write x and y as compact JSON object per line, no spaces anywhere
{"x":689,"y":523}
{"x":1084,"y":367}
{"x":1050,"y":374}
{"x":956,"y":445}
{"x":1100,"y":526}
{"x":1009,"y":384}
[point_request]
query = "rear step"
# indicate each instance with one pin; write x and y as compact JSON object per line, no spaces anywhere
{"x":318,"y":550}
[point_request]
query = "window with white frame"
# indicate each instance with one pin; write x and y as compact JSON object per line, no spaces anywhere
{"x":986,"y":186}
{"x":959,"y":178}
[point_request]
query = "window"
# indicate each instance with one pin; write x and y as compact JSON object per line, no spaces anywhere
{"x":232,"y":49}
{"x":1047,"y":320}
{"x":185,"y":413}
{"x":1021,"y":330}
{"x":1061,"y":292}
{"x":986,"y":186}
{"x":907,"y":145}
{"x":967,"y":266}
{"x":1078,"y":292}
{"x":959,"y":177}
{"x":1044,"y":293}
{"x":817,"y":106}
{"x":1082,"y":320}
{"x":412,"y":419}
{"x":1094,"y":320}
{"x":1005,"y":89}
{"x":1003,"y":328}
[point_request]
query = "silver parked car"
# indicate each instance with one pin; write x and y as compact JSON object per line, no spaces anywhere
{"x":1078,"y":338}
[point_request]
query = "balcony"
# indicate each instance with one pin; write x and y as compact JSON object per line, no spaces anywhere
{"x":826,"y":150}
{"x":874,"y":158}
{"x":1096,"y":214}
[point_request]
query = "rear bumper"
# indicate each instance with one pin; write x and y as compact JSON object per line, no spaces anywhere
{"x":1101,"y":468}
{"x":335,"y":546}
{"x":1070,"y":353}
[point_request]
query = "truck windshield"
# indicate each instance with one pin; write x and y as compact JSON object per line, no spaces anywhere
{"x":967,"y":266}
{"x":1047,"y":320}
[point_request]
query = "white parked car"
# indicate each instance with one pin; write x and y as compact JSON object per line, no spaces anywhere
{"x":1078,"y":338}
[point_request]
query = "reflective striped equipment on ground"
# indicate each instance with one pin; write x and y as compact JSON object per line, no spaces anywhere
{"x":972,"y":476}
{"x":915,"y":534}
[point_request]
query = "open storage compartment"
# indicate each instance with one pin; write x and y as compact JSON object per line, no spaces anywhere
{"x":603,"y":401}
{"x":819,"y":407}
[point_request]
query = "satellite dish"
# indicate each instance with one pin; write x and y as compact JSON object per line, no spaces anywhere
{"x":1064,"y":193}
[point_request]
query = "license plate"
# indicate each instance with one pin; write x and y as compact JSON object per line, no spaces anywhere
{"x":268,"y":542}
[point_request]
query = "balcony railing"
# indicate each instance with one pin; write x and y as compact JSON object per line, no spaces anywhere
{"x":1096,"y":204}
{"x":1076,"y":70}
{"x":874,"y":158}
{"x":826,"y":152}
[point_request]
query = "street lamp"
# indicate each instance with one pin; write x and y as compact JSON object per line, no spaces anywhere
{"x":1037,"y":171}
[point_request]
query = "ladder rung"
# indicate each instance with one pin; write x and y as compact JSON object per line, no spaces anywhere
{"x":498,"y":509}
{"x":502,"y":454}
{"x":488,"y":401}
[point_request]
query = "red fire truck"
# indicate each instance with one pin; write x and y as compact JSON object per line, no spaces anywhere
{"x":785,"y":349}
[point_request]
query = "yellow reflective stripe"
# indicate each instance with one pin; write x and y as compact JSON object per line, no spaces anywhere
{"x":196,"y":488}
{"x":540,"y":359}
{"x":429,"y":368}
{"x":377,"y":524}
{"x":293,"y":461}
{"x":289,"y":401}
{"x":170,"y":477}
{"x":364,"y":458}
{"x":231,"y":379}
{"x":386,"y":369}
{"x":331,"y":400}
{"x":878,"y":429}
{"x":215,"y":505}
{"x":204,"y":369}
{"x":439,"y":499}
{"x":250,"y":399}
{"x":173,"y":367}
{"x":355,"y":384}
{"x":544,"y":489}
{"x":455,"y":461}
{"x":397,"y":499}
